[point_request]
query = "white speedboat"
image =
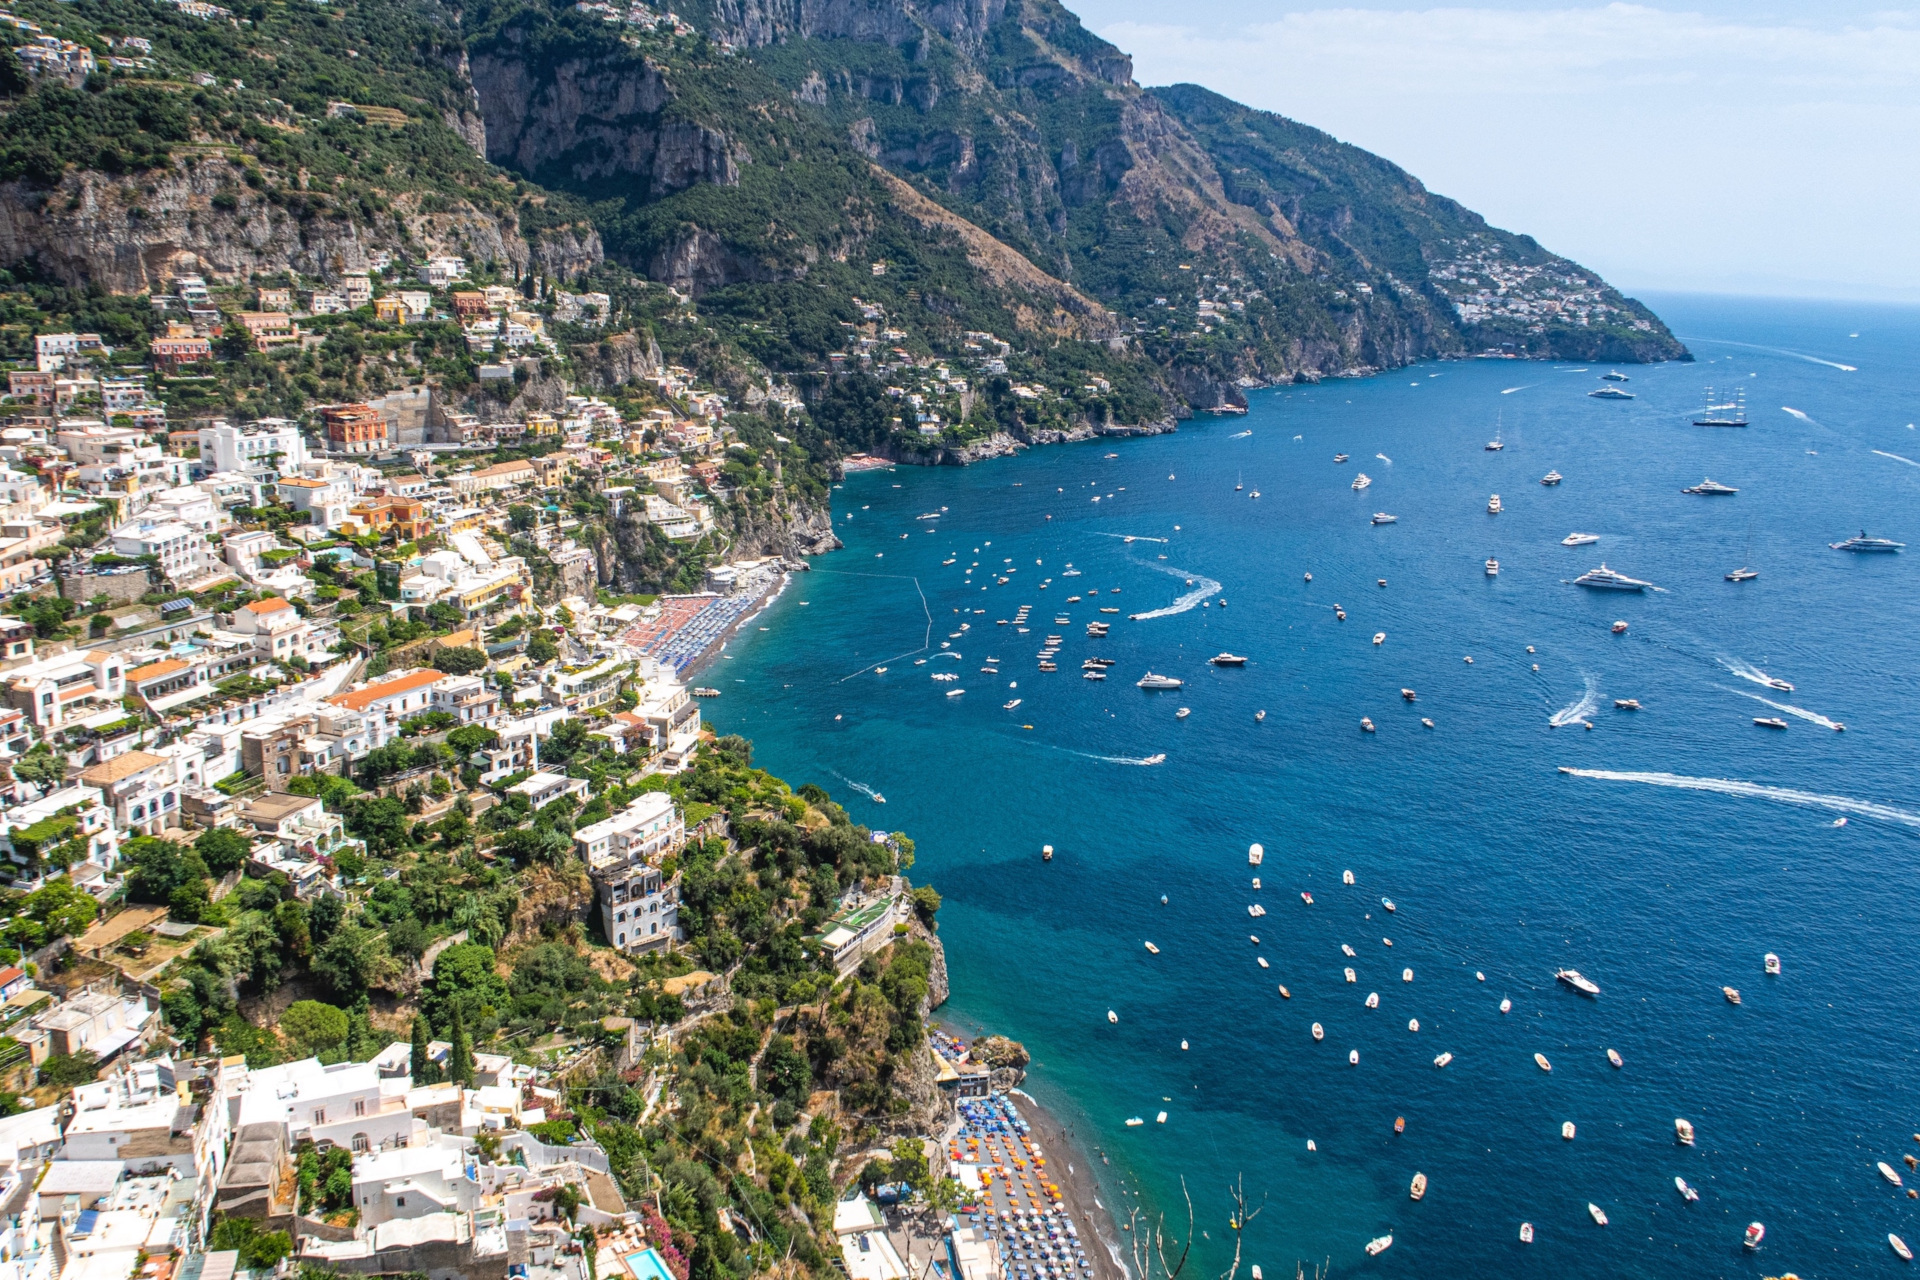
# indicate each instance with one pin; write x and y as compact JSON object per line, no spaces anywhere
{"x":1153,"y":950}
{"x":1493,"y":567}
{"x":1711,"y":489}
{"x":1579,"y":539}
{"x":1010,"y":705}
{"x":1580,"y":983}
{"x":1227,"y":660}
{"x":1378,"y":1245}
{"x":1680,"y":1185}
{"x":1388,"y":904}
{"x":1152,"y":681}
{"x":1605,"y":579}
{"x":1362,"y":480}
{"x":1613,"y":1056}
{"x":1899,"y":1246}
{"x":1373,"y":999}
{"x":1551,"y":478}
{"x":1254,"y":854}
{"x":1112,"y":1016}
{"x":1381,"y":517}
{"x":1493,"y":505}
{"x":1567,"y":1131}
{"x":1526,"y":1233}
{"x":1346,"y":877}
{"x":1319,"y":1033}
{"x":1887,"y":1172}
{"x":1755,"y":1234}
{"x":1418,"y":1188}
{"x":1598,"y":1214}
{"x":1506,"y":1005}
{"x":1181,"y":714}
{"x":1683,"y":1131}
{"x":1540,"y":1060}
{"x":1772,"y":964}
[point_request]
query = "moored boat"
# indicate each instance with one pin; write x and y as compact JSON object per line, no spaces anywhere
{"x":1680,"y":1184}
{"x":1598,"y":1214}
{"x":1551,"y":478}
{"x":1378,"y":1245}
{"x":1578,"y":981}
{"x":1443,"y":1060}
{"x":1540,"y":1060}
{"x":1153,"y":950}
{"x":1613,"y":1056}
{"x":1319,"y":1033}
{"x":1887,"y":1172}
{"x":1755,"y":1234}
{"x":1418,"y":1187}
{"x":1772,"y":964}
{"x":1683,"y":1131}
{"x":1566,"y":1131}
{"x":1227,"y":660}
{"x":1899,"y":1246}
{"x":1526,"y":1233}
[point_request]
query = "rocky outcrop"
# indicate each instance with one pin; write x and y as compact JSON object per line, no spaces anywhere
{"x":618,"y":360}
{"x":588,"y":120}
{"x":938,"y":987}
{"x":564,"y":253}
{"x":1008,"y":1059}
{"x":757,"y":23}
{"x":788,"y":529}
{"x":201,"y":218}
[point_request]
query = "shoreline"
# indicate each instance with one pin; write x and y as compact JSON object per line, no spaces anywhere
{"x":1080,"y":1188}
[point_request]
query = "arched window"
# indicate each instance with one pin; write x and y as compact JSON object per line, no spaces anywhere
{"x":361,"y":1143}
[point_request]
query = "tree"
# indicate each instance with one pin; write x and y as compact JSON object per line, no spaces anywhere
{"x":223,"y":849}
{"x":540,"y":649}
{"x":424,"y":1070}
{"x":382,"y":822}
{"x":259,"y":1250}
{"x":65,"y":1070}
{"x":461,"y":662}
{"x":460,"y":1060}
{"x":926,"y":901}
{"x":566,"y":740}
{"x":314,"y":1027}
{"x":469,"y":738}
{"x":464,"y":978}
{"x":41,"y":767}
{"x":522,"y":517}
{"x":529,"y":845}
{"x":443,"y":616}
{"x":324,"y":916}
{"x":59,"y":910}
{"x":353,"y":959}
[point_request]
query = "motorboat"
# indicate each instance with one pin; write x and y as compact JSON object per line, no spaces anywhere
{"x":1551,"y":478}
{"x":1493,"y":505}
{"x":1770,"y":722}
{"x":1428,"y":723}
{"x":1493,"y":567}
{"x":1626,"y":704}
{"x":1772,"y":964}
{"x":1526,"y":1233}
{"x":1406,"y":975}
{"x":1346,"y":877}
{"x":1159,"y":757}
{"x":1353,"y":1057}
{"x":1711,"y":489}
{"x":1899,"y":1246}
{"x":1112,"y":1016}
{"x":1399,"y":1124}
{"x":1256,"y":910}
{"x":1366,"y":725}
{"x":1134,"y":1120}
{"x":1775,"y":682}
{"x":1683,"y":1130}
{"x":1181,"y":714}
{"x":1887,"y":1172}
{"x":1095,"y":674}
{"x":1254,"y":854}
{"x":1284,"y":993}
{"x":1598,"y":1214}
{"x":1378,"y":1245}
{"x":1605,"y":579}
{"x":1259,"y":716}
{"x":1419,"y":1186}
{"x":1611,"y":393}
{"x":1373,"y":1000}
{"x":1579,"y":539}
{"x":1567,"y":1131}
{"x":1348,"y":951}
{"x":1743,"y":574}
{"x":1152,"y":950}
{"x":1409,"y":695}
{"x":1540,"y":1060}
{"x":1680,"y":1185}
{"x":1351,"y":976}
{"x":1379,"y":637}
{"x":1339,"y":457}
{"x":1864,"y":543}
{"x":1388,"y":904}
{"x":1362,"y":480}
{"x":1619,"y":628}
{"x":1152,"y":681}
{"x":1755,"y":1234}
{"x":1506,"y":1005}
{"x":1227,"y":660}
{"x":1575,"y":979}
{"x":1613,"y":1056}
{"x":1319,"y":1033}
{"x":1308,"y":899}
{"x":1443,"y":1060}
{"x":1381,"y":517}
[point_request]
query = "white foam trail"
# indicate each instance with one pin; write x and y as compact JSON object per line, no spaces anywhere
{"x":1746,"y":671}
{"x":1579,"y":710}
{"x":1130,"y":537}
{"x":1510,"y":390}
{"x":1754,"y":790}
{"x":1812,"y":717}
{"x":861,"y":787}
{"x":1148,"y":761}
{"x":1782,"y":351}
{"x":1897,"y":458}
{"x":1241,"y":435}
{"x":1188,"y":601}
{"x":1795,"y":412}
{"x":1384,"y":458}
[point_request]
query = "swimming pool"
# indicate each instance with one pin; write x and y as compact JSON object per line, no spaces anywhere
{"x":646,"y":1265}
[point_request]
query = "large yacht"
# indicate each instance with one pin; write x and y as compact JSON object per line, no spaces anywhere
{"x":1152,"y":681}
{"x":1579,"y":539}
{"x":1381,"y":517}
{"x":1362,"y":480}
{"x":1611,"y":393}
{"x":1731,"y":414}
{"x":1864,"y":543}
{"x":1614,"y":375}
{"x":1605,"y":579}
{"x":1493,"y":505}
{"x":1711,"y":488}
{"x":1551,"y":478}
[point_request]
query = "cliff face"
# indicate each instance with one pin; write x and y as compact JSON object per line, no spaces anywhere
{"x":94,"y":229}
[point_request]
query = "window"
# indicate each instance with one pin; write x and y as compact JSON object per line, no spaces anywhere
{"x":361,"y":1143}
{"x":319,"y":1115}
{"x":359,"y":1106}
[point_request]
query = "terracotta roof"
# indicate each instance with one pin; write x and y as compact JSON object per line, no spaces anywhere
{"x":301,"y":482}
{"x":361,"y":699}
{"x":10,"y":974}
{"x":154,"y":670}
{"x":272,"y":604}
{"x":120,"y":768}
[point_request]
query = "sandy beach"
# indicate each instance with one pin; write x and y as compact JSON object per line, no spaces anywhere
{"x":1079,"y":1189}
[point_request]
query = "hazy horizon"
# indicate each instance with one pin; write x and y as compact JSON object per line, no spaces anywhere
{"x":1710,"y":148}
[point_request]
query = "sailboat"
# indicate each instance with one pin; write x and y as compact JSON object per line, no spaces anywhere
{"x":1731,"y":414}
{"x":1743,"y":573}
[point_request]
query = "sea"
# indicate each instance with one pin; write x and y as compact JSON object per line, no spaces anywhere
{"x":1686,"y":843}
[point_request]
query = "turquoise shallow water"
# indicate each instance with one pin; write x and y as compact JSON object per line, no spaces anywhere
{"x":1661,"y":891}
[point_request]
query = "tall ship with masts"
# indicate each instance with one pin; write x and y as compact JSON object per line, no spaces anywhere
{"x":1731,"y":414}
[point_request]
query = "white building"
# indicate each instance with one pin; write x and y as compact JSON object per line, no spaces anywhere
{"x":180,"y":549}
{"x":326,"y":498}
{"x":189,"y":505}
{"x":639,"y":907}
{"x":224,"y":447}
{"x":412,"y":1182}
{"x":349,"y":1104}
{"x":53,"y":691}
{"x":439,"y":272}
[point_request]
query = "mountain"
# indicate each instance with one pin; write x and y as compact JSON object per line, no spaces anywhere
{"x":826,"y":186}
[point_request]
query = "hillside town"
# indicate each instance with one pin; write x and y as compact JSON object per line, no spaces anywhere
{"x":376,"y":900}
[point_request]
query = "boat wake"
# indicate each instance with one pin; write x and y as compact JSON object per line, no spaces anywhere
{"x":1811,"y":717}
{"x":1787,"y":408}
{"x":1142,"y":761}
{"x":1241,"y":435}
{"x":1579,"y":710}
{"x":1746,"y":671}
{"x":1131,"y":537}
{"x":1510,"y":390}
{"x":1754,"y":790}
{"x":1897,"y":458}
{"x":1781,"y":351}
{"x":1206,"y":587}
{"x":861,"y":787}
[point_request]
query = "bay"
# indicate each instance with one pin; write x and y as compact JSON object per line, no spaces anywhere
{"x":1662,"y":889}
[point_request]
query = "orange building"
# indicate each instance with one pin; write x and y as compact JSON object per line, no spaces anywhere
{"x":354,"y":428}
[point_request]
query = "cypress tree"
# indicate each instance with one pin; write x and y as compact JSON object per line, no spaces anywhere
{"x":424,"y":1072}
{"x":460,"y":1061}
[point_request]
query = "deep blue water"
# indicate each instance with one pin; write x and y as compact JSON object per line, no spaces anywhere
{"x":1497,"y":862}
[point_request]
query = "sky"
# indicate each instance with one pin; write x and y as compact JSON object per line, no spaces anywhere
{"x":1758,"y":147}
